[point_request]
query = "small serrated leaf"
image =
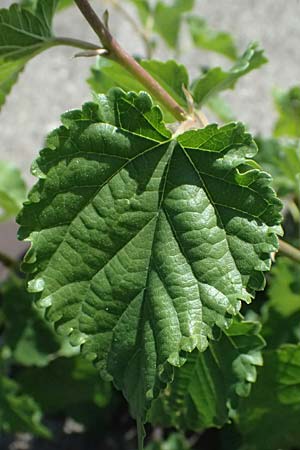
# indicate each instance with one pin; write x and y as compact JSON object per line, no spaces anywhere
{"x":217,"y":79}
{"x":207,"y":38}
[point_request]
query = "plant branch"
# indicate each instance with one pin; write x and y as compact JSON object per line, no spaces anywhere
{"x":289,"y":251}
{"x":118,"y":54}
{"x":8,"y":262}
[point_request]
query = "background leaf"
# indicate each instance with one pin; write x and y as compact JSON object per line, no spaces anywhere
{"x":281,"y":158}
{"x":64,"y":384}
{"x":205,"y":37}
{"x":167,"y":19}
{"x":217,"y":79}
{"x":205,"y":390}
{"x":281,"y":313}
{"x":172,"y":76}
{"x":288,"y":106}
{"x":18,"y":411}
{"x":269,"y":418}
{"x":28,"y":338}
{"x":12,"y":190}
{"x":24,"y":33}
{"x":175,"y":441}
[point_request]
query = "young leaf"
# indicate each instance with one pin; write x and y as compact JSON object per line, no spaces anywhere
{"x":288,"y":106}
{"x":18,"y":411}
{"x":171,"y":75}
{"x":12,"y":191}
{"x":141,"y":243}
{"x":23,"y":34}
{"x":205,"y":389}
{"x":28,"y":338}
{"x":217,"y":79}
{"x":205,"y":37}
{"x":269,"y":418}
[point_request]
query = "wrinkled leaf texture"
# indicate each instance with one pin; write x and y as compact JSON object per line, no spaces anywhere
{"x":142,"y":244}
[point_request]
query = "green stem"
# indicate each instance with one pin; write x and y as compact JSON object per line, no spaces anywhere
{"x":289,"y":251}
{"x":118,"y":54}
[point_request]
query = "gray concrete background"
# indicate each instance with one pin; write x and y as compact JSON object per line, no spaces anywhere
{"x":55,"y":82}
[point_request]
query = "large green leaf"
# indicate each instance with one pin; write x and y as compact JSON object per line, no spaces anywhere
{"x":217,"y":79}
{"x":171,"y":75}
{"x":26,"y":337}
{"x":269,"y":418}
{"x":12,"y":191}
{"x":204,"y":391}
{"x":23,"y":34}
{"x":18,"y":411}
{"x":205,"y":37}
{"x":141,"y":243}
{"x":288,"y":106}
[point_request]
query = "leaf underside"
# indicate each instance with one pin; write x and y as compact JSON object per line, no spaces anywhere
{"x":143,"y":244}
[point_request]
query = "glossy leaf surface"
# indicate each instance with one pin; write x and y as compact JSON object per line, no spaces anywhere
{"x":142,"y":244}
